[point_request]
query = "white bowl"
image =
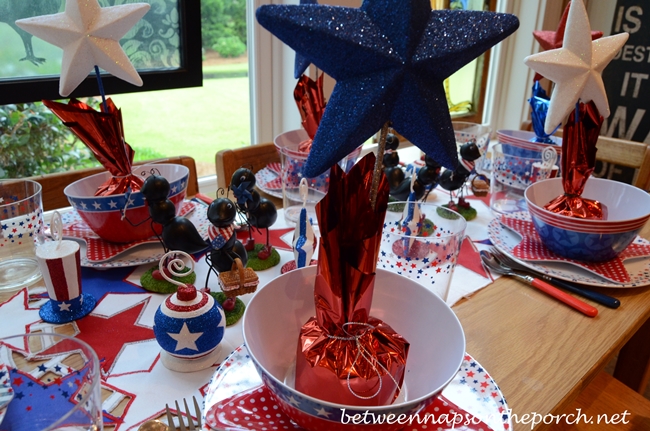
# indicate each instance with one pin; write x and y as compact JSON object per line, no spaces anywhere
{"x":103,"y":213}
{"x":627,"y":210}
{"x":272,"y":323}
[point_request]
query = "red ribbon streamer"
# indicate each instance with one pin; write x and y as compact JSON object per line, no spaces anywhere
{"x":578,"y":162}
{"x":310,"y":99}
{"x":103,"y":133}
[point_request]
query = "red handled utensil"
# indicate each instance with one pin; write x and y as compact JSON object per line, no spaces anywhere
{"x":492,"y":262}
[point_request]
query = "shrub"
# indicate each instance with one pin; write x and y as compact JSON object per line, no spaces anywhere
{"x":33,"y":141}
{"x":222,"y":18}
{"x":229,"y":46}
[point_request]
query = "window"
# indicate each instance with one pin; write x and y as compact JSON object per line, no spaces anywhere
{"x":163,"y":46}
{"x":166,"y":48}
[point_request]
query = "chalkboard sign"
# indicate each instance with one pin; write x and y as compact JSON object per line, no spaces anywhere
{"x":627,"y":82}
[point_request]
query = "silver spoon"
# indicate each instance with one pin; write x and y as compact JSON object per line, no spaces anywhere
{"x":491,"y":261}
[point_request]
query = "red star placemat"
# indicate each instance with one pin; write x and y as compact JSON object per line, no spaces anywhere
{"x":109,"y":335}
{"x":531,"y":248}
{"x":470,"y":258}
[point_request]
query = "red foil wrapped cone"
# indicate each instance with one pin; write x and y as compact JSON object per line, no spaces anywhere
{"x":103,"y":133}
{"x":344,"y":355}
{"x":578,"y":162}
{"x":310,"y":99}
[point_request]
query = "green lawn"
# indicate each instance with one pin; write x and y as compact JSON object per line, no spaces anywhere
{"x":195,"y":122}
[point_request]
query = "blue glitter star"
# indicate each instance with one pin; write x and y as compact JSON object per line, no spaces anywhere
{"x":301,"y":63}
{"x":389,"y":59}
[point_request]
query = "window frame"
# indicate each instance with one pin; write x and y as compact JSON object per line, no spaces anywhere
{"x":189,"y":74}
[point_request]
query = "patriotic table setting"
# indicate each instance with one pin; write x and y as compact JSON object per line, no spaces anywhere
{"x":120,"y":327}
{"x":346,"y":328}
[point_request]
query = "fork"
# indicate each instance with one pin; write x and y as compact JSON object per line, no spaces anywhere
{"x":190,"y":421}
{"x":500,"y":268}
{"x":600,"y":298}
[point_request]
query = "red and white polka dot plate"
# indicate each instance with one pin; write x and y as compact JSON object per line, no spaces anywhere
{"x":236,"y":400}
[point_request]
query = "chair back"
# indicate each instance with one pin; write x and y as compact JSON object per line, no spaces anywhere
{"x":255,"y":157}
{"x":631,"y":154}
{"x":54,"y":184}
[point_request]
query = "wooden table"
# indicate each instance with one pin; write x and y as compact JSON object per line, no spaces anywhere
{"x":543,"y":353}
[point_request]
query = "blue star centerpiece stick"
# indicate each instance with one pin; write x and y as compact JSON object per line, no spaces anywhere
{"x":389,"y":59}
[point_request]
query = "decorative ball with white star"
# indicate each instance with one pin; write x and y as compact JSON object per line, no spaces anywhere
{"x":189,"y":325}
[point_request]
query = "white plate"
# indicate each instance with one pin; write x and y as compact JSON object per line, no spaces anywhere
{"x":505,"y":240}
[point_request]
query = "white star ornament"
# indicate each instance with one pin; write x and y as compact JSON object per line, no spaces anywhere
{"x":577,"y":67}
{"x":89,"y":36}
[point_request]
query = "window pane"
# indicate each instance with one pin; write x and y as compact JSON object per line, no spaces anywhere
{"x":195,"y":122}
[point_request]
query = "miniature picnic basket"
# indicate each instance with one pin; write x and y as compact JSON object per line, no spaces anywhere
{"x":239,"y":280}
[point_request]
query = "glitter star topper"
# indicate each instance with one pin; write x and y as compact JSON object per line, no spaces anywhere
{"x":577,"y":67}
{"x":389,"y":60}
{"x":89,"y":36}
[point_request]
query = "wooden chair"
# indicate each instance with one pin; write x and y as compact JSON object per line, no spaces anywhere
{"x":255,"y":157}
{"x":54,"y":184}
{"x":627,"y":153}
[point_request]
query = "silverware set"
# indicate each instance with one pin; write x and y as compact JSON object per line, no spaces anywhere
{"x":500,"y":263}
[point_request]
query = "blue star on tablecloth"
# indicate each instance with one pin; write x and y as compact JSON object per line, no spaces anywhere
{"x":389,"y":60}
{"x":58,"y":394}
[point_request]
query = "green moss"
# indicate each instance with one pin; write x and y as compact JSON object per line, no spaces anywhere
{"x":257,"y":264}
{"x":233,"y":316}
{"x":467,"y":213}
{"x":163,"y":286}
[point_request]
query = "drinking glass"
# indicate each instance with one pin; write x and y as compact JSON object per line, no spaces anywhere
{"x":512,"y":174}
{"x":293,"y":160}
{"x":421,"y":241}
{"x":21,"y":221}
{"x":56,"y":383}
{"x":479,"y":133}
